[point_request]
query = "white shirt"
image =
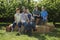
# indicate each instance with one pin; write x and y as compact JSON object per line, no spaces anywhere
{"x":17,"y":17}
{"x":24,"y":17}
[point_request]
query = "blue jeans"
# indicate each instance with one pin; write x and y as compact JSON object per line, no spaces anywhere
{"x":19,"y":24}
{"x":24,"y":24}
{"x":33,"y":25}
{"x":29,"y":26}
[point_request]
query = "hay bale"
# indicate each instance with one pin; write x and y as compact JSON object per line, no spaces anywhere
{"x":16,"y":28}
{"x":45,"y":28}
{"x":52,"y":27}
{"x":40,"y":29}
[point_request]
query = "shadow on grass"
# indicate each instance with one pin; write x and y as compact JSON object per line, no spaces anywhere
{"x":39,"y":36}
{"x":2,"y":34}
{"x":3,"y":25}
{"x":57,"y":25}
{"x":55,"y":33}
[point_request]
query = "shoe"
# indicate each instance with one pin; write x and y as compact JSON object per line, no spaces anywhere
{"x":34,"y":29}
{"x":18,"y":34}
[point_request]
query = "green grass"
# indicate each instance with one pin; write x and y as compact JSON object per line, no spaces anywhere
{"x":54,"y":35}
{"x":12,"y":36}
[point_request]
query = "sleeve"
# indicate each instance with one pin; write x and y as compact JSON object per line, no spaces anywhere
{"x":33,"y":13}
{"x":32,"y":18}
{"x":20,"y":17}
{"x":41,"y":13}
{"x":46,"y":13}
{"x":26,"y":17}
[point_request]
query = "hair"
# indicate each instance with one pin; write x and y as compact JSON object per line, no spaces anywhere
{"x":36,"y":6}
{"x":43,"y":7}
{"x":17,"y":9}
{"x":39,"y":8}
{"x":26,"y":8}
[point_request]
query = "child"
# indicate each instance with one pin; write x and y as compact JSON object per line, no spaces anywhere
{"x":44,"y":15}
{"x":24,"y":18}
{"x":31,"y":19}
{"x":17,"y":18}
{"x":30,"y":25}
{"x":36,"y":13}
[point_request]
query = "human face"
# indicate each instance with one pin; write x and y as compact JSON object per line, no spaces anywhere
{"x":43,"y":8}
{"x":18,"y":11}
{"x":36,"y":8}
{"x":25,"y":11}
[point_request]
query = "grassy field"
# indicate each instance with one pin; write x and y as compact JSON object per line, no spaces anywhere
{"x":54,"y":35}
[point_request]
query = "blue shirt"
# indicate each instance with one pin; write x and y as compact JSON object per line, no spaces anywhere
{"x":44,"y":14}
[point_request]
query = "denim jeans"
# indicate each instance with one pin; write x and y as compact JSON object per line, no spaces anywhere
{"x":19,"y":24}
{"x":28,"y":27}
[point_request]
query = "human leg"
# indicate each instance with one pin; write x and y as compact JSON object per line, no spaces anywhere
{"x":19,"y":26}
{"x":14,"y":24}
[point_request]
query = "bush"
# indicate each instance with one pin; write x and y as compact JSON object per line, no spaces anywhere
{"x":7,"y":10}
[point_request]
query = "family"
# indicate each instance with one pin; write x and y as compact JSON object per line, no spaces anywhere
{"x":28,"y":20}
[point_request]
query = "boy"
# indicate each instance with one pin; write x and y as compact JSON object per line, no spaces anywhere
{"x":17,"y":20}
{"x":36,"y":14}
{"x":44,"y":15}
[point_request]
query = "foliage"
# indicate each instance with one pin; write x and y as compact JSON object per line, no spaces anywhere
{"x":7,"y":8}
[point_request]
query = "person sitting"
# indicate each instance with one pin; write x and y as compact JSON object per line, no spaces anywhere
{"x":17,"y":20}
{"x":44,"y":15}
{"x":30,"y":24}
{"x":24,"y":19}
{"x":36,"y":14}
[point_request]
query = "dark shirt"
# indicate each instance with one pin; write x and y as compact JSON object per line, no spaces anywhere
{"x":36,"y":12}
